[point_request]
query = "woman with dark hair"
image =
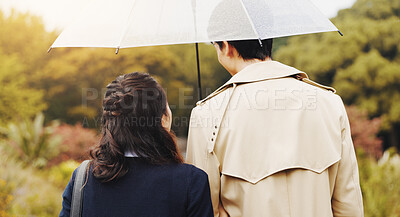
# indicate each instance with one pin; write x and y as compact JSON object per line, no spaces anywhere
{"x":136,"y":169}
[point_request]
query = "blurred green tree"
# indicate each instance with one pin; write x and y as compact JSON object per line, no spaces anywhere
{"x":364,"y":65}
{"x":18,"y":100}
{"x":22,"y":38}
{"x":24,"y":35}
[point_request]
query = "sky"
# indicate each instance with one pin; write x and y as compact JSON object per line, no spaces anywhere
{"x":58,"y":13}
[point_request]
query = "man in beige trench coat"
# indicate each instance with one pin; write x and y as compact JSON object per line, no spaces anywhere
{"x":272,"y":142}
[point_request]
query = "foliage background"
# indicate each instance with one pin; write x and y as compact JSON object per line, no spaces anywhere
{"x":50,"y":103}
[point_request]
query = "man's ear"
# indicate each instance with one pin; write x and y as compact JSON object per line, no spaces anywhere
{"x":228,"y":49}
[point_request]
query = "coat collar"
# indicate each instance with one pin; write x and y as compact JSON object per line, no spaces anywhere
{"x":258,"y":72}
{"x":262,"y":71}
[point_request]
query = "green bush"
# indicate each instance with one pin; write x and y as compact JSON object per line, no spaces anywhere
{"x":32,"y":193}
{"x":61,"y":174}
{"x":31,"y":142}
{"x":6,"y":197}
{"x":380,"y":184}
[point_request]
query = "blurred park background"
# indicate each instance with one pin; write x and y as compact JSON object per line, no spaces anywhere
{"x":50,"y":103}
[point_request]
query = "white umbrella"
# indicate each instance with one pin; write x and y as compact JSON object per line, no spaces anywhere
{"x":135,"y":23}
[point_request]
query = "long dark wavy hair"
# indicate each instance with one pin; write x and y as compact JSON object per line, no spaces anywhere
{"x":133,"y":107}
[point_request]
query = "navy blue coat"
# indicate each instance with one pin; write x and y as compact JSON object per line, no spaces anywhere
{"x":174,"y":190}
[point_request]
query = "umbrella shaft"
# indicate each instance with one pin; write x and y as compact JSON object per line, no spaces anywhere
{"x":198,"y":71}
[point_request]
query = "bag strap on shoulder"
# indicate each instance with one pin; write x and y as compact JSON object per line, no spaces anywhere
{"x":77,"y":193}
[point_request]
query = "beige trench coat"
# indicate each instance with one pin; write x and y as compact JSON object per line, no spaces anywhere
{"x":273,"y":145}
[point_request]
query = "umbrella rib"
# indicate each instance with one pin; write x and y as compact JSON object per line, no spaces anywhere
{"x":319,"y":10}
{"x":127,"y":26}
{"x":251,"y":21}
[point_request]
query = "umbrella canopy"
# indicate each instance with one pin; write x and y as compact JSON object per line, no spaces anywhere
{"x":135,"y":23}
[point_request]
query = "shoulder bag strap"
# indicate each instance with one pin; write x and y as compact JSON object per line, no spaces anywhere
{"x":76,"y":206}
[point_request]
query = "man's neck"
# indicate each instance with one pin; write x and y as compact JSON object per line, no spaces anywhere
{"x":241,"y":64}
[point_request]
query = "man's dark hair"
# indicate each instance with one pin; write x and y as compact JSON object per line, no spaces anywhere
{"x":251,"y":49}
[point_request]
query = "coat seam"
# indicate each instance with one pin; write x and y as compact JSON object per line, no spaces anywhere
{"x":255,"y":181}
{"x":357,"y":187}
{"x":287,"y":193}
